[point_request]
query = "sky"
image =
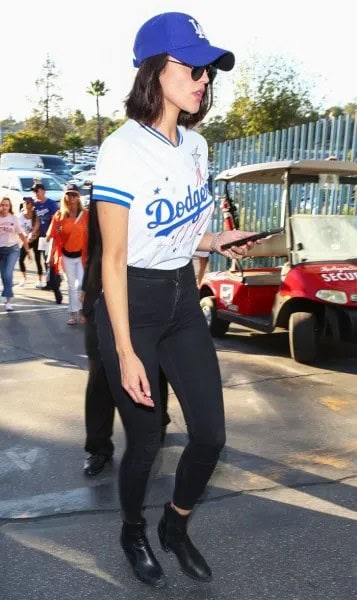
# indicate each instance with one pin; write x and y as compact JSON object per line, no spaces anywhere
{"x":93,"y":39}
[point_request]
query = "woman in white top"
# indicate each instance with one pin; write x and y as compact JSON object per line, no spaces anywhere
{"x":154,"y":206}
{"x":30,"y":225}
{"x":10,"y":232}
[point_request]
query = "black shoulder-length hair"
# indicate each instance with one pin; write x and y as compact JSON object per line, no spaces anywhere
{"x":145,"y":100}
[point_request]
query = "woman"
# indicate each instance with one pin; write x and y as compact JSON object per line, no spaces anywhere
{"x":69,"y":231}
{"x":31,"y":226}
{"x":153,"y":208}
{"x":10,"y":232}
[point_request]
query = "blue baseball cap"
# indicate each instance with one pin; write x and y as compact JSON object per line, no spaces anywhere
{"x":182,"y":37}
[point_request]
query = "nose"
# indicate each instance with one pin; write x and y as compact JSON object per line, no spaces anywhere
{"x":205,"y":77}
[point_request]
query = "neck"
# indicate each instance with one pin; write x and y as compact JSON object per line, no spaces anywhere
{"x":168,"y":124}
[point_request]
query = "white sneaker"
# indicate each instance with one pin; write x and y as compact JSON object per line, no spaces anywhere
{"x":21,"y":283}
{"x":9,"y":307}
{"x":40,"y":284}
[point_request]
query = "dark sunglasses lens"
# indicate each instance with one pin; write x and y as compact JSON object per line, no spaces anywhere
{"x":197,"y":72}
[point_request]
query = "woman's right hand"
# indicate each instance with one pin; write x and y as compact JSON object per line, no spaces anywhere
{"x":134,"y":380}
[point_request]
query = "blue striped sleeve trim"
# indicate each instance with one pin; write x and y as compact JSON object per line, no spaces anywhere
{"x":108,"y":194}
{"x":99,"y":198}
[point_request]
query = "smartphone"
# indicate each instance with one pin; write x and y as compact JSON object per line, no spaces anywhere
{"x":252,"y":238}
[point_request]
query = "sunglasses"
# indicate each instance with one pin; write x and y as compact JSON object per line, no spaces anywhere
{"x":197,"y":72}
{"x":72,"y":194}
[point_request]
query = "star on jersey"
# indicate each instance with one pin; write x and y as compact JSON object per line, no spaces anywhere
{"x":196,"y":156}
{"x":157,"y":191}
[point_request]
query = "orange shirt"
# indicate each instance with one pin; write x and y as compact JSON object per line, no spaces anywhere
{"x":71,"y":235}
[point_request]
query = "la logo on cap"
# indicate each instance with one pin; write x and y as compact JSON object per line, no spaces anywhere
{"x":198,"y":29}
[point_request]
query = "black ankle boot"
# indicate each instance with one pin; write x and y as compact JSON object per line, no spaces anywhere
{"x":140,"y":555}
{"x":173,"y":536}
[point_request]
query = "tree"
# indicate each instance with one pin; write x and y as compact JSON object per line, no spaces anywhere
{"x":27,"y":141}
{"x":78,"y":119}
{"x":333,"y":111}
{"x":97,"y":88}
{"x":214,"y":131}
{"x":55,"y":132}
{"x":73,"y":142}
{"x":270,"y":95}
{"x":47,"y":83}
{"x":350,"y":109}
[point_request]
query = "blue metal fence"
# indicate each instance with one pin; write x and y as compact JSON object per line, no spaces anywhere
{"x":259,"y":206}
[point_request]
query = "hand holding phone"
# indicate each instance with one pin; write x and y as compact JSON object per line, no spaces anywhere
{"x":252,"y":238}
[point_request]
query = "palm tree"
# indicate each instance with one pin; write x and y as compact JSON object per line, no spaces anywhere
{"x":97,"y":88}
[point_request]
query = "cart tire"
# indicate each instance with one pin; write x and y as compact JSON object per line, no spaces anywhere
{"x":218,"y":327}
{"x":303,"y":336}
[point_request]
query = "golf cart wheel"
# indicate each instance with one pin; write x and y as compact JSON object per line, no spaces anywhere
{"x":217,"y":326}
{"x":303,"y":336}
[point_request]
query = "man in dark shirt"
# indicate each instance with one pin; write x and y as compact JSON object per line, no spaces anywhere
{"x":45,"y":209}
{"x":99,"y":402}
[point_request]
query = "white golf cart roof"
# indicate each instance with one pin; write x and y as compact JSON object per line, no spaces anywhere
{"x":273,"y":172}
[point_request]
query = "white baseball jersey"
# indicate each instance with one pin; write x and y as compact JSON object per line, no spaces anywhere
{"x":164,"y":188}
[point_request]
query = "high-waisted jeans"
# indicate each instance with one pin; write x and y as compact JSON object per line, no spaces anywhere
{"x":8,"y":259}
{"x":167,"y":329}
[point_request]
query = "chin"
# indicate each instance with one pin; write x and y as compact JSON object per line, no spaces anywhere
{"x":193,"y":109}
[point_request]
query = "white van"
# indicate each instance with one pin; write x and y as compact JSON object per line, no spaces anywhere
{"x":16,"y":184}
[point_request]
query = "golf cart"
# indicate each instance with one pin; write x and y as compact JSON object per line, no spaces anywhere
{"x":310,"y":285}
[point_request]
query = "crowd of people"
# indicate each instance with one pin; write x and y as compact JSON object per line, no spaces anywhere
{"x":143,"y":322}
{"x":55,"y":238}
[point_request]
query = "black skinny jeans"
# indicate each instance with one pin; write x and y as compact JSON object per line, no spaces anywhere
{"x":37,"y":253}
{"x":99,"y":404}
{"x":168,"y":330}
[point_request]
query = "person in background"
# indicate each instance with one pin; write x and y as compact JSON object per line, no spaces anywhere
{"x":69,"y":231}
{"x":99,"y":402}
{"x":10,"y":232}
{"x":30,"y":225}
{"x":153,"y":208}
{"x":45,"y":209}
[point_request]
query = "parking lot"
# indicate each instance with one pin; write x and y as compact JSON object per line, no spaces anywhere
{"x":278,"y":520}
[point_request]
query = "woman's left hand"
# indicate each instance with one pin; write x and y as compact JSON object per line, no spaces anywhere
{"x":229,"y":236}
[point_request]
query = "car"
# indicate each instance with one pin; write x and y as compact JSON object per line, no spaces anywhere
{"x":312,"y":293}
{"x":78,"y":168}
{"x":16,"y":184}
{"x":46,"y":162}
{"x":84,"y":178}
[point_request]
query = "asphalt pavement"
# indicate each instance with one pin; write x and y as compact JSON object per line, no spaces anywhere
{"x":278,"y":519}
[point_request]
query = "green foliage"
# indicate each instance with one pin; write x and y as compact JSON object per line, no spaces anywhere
{"x":270,"y":95}
{"x":215,"y":130}
{"x":50,"y":100}
{"x":55,"y":130}
{"x":77,"y":119}
{"x":350,"y":109}
{"x":27,"y":141}
{"x":97,"y":88}
{"x":73,"y":142}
